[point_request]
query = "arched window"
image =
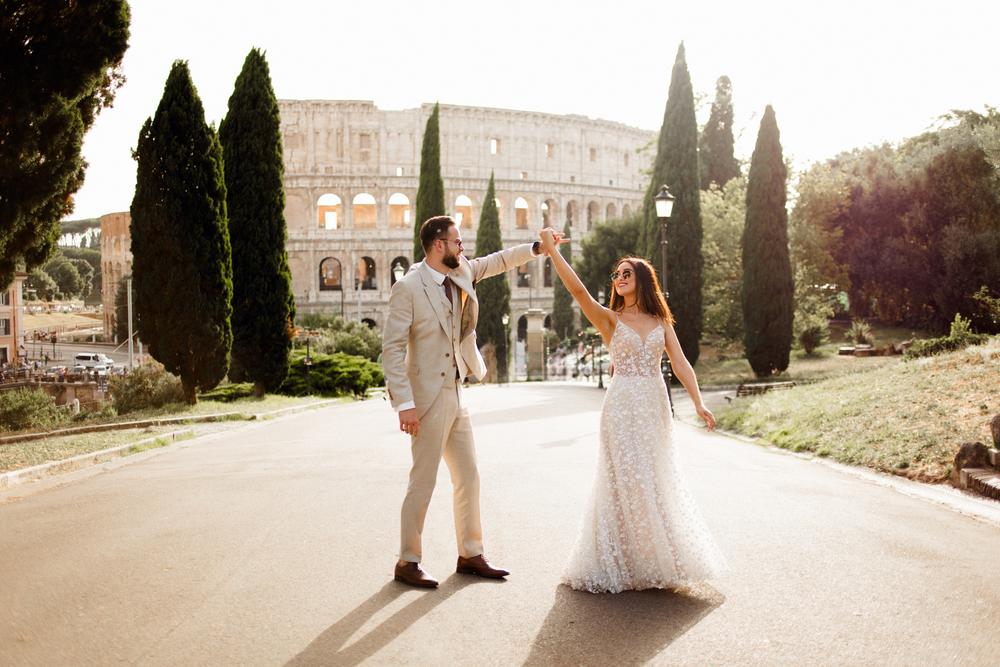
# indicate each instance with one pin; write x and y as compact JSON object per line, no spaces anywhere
{"x":521,"y":213}
{"x":368,"y":322}
{"x":524,"y":275}
{"x":547,"y":273}
{"x":548,"y":322}
{"x":626,"y":212}
{"x":365,"y":277}
{"x":329,"y":274}
{"x":398,"y":269}
{"x":522,"y":328}
{"x":610,"y":212}
{"x":364,"y":210}
{"x":571,"y":213}
{"x":550,"y":214}
{"x":593,"y":210}
{"x":463,"y":212}
{"x":399,"y":211}
{"x":328,"y":207}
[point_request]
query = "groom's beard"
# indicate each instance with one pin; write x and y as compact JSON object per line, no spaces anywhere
{"x":451,"y":261}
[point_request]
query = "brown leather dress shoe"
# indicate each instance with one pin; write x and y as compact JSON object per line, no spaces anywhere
{"x":479,"y":566}
{"x":412,"y":574}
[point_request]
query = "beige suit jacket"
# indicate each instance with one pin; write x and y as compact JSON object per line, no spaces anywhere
{"x":417,"y":342}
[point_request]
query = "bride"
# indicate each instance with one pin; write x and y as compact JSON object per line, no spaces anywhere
{"x":642,"y":528}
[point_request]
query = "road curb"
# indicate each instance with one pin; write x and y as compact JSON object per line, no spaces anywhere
{"x":22,"y":475}
{"x":957,"y":500}
{"x":32,"y":473}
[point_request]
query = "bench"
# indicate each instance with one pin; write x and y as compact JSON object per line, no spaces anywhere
{"x":755,"y":388}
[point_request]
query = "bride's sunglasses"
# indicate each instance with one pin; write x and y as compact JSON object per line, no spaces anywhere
{"x":624,"y":274}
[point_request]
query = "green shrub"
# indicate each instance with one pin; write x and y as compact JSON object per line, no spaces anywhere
{"x":960,"y":336}
{"x":228,"y":393}
{"x":331,"y":375}
{"x":29,"y":408}
{"x":337,"y":334}
{"x":145,"y":387}
{"x":860,"y":333}
{"x":811,"y":332}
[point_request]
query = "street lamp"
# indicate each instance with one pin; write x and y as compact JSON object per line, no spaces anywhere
{"x":506,"y":332}
{"x":600,"y":363}
{"x":664,"y":207}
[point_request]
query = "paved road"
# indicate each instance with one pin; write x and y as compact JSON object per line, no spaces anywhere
{"x":273,"y":544}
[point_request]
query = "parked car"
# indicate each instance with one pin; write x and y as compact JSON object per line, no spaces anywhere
{"x":91,"y":359}
{"x":53,"y":373}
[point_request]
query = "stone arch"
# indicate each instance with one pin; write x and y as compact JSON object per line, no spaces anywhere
{"x":610,"y":212}
{"x":550,"y":214}
{"x":593,"y":210}
{"x":330,"y":274}
{"x":626,"y":211}
{"x":399,"y":211}
{"x":364,"y":210}
{"x":329,"y":214}
{"x":522,"y":328}
{"x":364,"y":277}
{"x":463,"y":212}
{"x":521,"y":213}
{"x":398,"y":264}
{"x":572,"y":213}
{"x":547,"y":273}
{"x":369,"y":322}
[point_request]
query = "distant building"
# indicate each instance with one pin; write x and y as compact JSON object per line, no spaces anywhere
{"x":116,"y":262}
{"x":351,"y":176}
{"x":12,"y":321}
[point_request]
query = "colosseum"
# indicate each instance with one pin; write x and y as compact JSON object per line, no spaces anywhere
{"x":351,"y":177}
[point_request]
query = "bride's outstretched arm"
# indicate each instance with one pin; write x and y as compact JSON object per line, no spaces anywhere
{"x":682,"y":369}
{"x":602,"y":318}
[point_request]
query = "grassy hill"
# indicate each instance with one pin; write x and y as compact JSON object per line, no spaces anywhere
{"x":904,"y":417}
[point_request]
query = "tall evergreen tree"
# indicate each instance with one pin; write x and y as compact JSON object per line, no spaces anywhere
{"x":676,"y":166}
{"x":430,"y":191}
{"x":493,"y":293}
{"x":181,"y":258}
{"x":562,"y":300}
{"x":718,"y":163}
{"x":768,"y":289}
{"x":263,"y":305}
{"x":61,"y":66}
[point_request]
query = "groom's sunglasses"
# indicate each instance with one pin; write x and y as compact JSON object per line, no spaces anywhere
{"x":457,"y":242}
{"x":624,"y":274}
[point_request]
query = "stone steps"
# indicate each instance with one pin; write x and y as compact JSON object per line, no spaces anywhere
{"x":984,"y":481}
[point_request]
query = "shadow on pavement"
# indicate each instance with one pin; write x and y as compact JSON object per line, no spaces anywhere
{"x":328,"y":648}
{"x":541,"y":410}
{"x":629,"y":628}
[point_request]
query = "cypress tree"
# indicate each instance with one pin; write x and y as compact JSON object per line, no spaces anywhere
{"x":676,"y":166}
{"x":181,"y":257}
{"x":718,"y":164}
{"x":493,"y":293}
{"x":61,"y":66}
{"x":263,"y":305}
{"x":430,"y":191}
{"x":768,"y":289}
{"x":562,"y":300}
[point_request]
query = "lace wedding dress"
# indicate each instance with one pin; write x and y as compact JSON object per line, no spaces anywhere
{"x":642,"y":528}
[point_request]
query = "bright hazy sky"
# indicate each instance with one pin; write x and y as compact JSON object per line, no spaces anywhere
{"x":840,"y":75}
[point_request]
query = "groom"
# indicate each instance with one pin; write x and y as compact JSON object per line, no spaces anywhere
{"x":428,"y":348}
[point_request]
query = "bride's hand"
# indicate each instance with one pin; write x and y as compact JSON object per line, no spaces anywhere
{"x":707,"y":415}
{"x":548,"y":238}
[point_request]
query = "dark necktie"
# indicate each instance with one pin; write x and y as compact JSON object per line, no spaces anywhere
{"x":447,"y":289}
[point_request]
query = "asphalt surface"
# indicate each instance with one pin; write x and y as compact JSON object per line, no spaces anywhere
{"x":273,"y":544}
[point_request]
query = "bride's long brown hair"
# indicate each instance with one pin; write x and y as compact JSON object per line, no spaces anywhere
{"x":648,"y":295}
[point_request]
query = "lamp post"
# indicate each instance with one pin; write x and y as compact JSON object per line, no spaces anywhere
{"x":664,"y":207}
{"x":505,"y":376}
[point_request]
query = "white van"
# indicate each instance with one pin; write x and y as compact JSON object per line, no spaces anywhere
{"x":91,"y":359}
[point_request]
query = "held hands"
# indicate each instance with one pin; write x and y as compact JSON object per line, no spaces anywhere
{"x":707,"y":415}
{"x":409,"y":422}
{"x":551,"y":238}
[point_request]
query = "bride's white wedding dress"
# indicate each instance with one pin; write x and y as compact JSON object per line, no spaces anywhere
{"x":642,"y":528}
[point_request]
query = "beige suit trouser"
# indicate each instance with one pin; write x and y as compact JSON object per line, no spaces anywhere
{"x":445,"y":431}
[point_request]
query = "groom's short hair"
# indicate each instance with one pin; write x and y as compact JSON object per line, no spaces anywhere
{"x":434,"y":228}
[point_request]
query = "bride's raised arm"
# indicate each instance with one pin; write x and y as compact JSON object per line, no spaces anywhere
{"x":602,"y":318}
